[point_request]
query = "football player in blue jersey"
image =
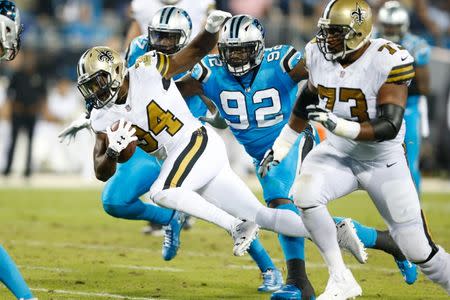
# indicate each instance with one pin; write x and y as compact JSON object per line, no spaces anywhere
{"x":255,"y":88}
{"x":10,"y":30}
{"x":393,"y":22}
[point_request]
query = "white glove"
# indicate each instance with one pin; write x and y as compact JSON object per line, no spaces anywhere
{"x":333,"y":123}
{"x":215,"y":20}
{"x":279,"y":150}
{"x":71,"y":131}
{"x":119,"y":139}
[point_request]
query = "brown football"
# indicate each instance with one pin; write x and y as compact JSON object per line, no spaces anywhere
{"x":126,"y":153}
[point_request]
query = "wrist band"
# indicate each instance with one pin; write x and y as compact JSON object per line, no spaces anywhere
{"x":111,"y":153}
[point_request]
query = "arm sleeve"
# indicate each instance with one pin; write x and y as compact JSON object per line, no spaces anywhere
{"x":162,"y":63}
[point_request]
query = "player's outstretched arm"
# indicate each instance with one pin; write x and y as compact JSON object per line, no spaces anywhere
{"x":290,"y":132}
{"x":188,"y":87}
{"x":202,"y":44}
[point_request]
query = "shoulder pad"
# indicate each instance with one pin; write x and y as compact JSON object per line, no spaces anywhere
{"x":288,"y":56}
{"x":396,"y":62}
{"x":161,"y":60}
{"x":308,"y":52}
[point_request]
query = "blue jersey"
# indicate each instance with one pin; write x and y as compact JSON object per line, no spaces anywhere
{"x":257,"y":105}
{"x":138,"y":47}
{"x":418,"y":48}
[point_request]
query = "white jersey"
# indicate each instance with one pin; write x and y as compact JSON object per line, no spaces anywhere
{"x":154,"y":106}
{"x":144,"y":10}
{"x":351,"y":92}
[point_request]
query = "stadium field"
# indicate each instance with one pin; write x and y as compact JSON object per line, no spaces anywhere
{"x":68,"y":248}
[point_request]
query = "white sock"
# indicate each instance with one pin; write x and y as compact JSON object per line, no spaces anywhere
{"x":283,"y":221}
{"x":437,"y":269}
{"x":322,"y":228}
{"x":195,"y":205}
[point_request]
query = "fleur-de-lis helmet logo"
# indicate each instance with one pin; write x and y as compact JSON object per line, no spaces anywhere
{"x":358,"y":15}
{"x":105,"y":55}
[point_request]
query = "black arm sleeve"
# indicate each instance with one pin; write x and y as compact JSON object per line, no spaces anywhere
{"x":388,"y":122}
{"x":305,"y":98}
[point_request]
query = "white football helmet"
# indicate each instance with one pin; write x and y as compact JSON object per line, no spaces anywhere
{"x":241,"y":44}
{"x":10,"y":30}
{"x":393,"y":20}
{"x":170,"y":30}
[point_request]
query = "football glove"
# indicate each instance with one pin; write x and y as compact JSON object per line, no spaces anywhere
{"x":333,"y":123}
{"x":215,"y":120}
{"x":215,"y":20}
{"x":70,"y":132}
{"x":279,"y":150}
{"x":120,"y":138}
{"x":323,"y":116}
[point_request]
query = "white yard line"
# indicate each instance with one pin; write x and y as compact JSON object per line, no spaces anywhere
{"x":50,"y":269}
{"x":90,"y":294}
{"x":60,"y":181}
{"x":38,"y":243}
{"x":313,"y":265}
{"x":147,"y":268}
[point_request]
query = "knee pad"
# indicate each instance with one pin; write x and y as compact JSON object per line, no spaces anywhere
{"x":169,"y":198}
{"x":412,"y":240}
{"x":308,"y":195}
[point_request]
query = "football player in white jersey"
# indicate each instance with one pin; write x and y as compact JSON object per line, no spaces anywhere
{"x":195,"y":175}
{"x":362,"y":86}
{"x":143,"y":10}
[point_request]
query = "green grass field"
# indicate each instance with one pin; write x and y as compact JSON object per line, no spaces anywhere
{"x":68,"y":248}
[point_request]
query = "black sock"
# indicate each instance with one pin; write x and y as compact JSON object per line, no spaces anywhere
{"x":386,"y":243}
{"x":296,"y":275}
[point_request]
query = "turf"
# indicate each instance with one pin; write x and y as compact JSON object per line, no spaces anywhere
{"x":68,"y":248}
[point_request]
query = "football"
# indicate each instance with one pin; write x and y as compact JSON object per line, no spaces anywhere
{"x":126,"y":153}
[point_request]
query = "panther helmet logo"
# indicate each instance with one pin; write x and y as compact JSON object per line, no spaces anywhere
{"x":105,"y":55}
{"x":358,"y":15}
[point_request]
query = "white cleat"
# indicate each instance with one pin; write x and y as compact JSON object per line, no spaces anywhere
{"x":348,"y":240}
{"x":341,"y":286}
{"x":243,"y":234}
